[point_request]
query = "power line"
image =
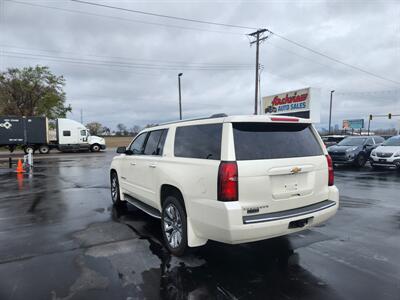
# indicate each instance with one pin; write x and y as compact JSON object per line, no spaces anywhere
{"x":128,"y":59}
{"x":270,"y":43}
{"x":145,"y":66}
{"x":334,"y":59}
{"x":165,"y":16}
{"x":138,"y":65}
{"x":373,"y":93}
{"x":245,"y":27}
{"x":200,"y":29}
{"x":123,"y":19}
{"x":148,"y":71}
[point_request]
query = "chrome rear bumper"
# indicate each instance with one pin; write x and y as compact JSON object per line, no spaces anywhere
{"x":274,"y":216}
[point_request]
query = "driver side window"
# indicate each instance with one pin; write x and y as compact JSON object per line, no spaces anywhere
{"x":137,"y":147}
{"x":369,"y":142}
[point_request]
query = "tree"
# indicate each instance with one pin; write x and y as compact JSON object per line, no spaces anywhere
{"x":135,"y":130}
{"x":95,"y":128}
{"x":122,"y":129}
{"x":32,"y":91}
{"x":106,"y":131}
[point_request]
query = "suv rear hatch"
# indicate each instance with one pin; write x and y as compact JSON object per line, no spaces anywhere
{"x":281,"y":166}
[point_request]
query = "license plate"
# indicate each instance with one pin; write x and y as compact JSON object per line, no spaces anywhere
{"x":382,"y":160}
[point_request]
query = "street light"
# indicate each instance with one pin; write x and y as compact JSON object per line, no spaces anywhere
{"x":180,"y":96}
{"x":330,"y":112}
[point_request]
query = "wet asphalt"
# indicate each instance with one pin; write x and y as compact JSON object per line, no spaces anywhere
{"x":60,"y":238}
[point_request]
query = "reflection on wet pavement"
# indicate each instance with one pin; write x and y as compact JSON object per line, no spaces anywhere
{"x":61,"y":238}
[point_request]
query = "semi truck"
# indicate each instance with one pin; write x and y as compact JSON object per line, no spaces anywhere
{"x":36,"y":134}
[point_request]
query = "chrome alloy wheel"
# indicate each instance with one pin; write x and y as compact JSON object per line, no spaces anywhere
{"x":172,"y":223}
{"x":114,"y":188}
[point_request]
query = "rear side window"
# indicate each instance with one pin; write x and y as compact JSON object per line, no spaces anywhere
{"x":160,"y":147}
{"x":155,"y":142}
{"x":274,"y":140}
{"x":198,"y":141}
{"x":66,"y":133}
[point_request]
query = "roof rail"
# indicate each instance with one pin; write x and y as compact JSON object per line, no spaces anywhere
{"x":219,"y":115}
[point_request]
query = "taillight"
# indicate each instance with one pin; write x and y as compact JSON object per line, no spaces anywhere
{"x":330,"y":170}
{"x":228,"y":181}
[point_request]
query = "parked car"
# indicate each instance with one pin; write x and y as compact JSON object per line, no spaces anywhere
{"x":387,"y":154}
{"x":271,"y":109}
{"x":330,"y":140}
{"x":354,"y":149}
{"x":230,"y":179}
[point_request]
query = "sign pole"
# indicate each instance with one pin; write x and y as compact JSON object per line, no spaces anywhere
{"x":330,"y":112}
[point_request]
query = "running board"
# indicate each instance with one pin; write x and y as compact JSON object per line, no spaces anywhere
{"x":143,"y":206}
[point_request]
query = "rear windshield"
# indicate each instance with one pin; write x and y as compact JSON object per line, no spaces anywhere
{"x":274,"y":140}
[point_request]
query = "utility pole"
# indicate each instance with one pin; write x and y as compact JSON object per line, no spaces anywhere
{"x":180,"y":96}
{"x":259,"y":37}
{"x":259,"y":89}
{"x":330,"y":113}
{"x":81,"y":116}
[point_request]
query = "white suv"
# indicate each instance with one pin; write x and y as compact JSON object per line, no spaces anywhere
{"x":233,"y":179}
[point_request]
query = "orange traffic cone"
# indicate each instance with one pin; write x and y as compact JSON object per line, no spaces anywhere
{"x":20,"y":179}
{"x":20,"y":168}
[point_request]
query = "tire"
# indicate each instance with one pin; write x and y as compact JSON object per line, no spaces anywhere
{"x":174,"y":226}
{"x":27,"y":148}
{"x":44,"y":149}
{"x":115,"y":194}
{"x":95,"y":148}
{"x":360,"y":160}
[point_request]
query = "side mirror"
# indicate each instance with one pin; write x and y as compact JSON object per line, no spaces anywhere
{"x":121,"y":150}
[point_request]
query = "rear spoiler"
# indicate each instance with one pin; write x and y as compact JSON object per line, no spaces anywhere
{"x":267,"y":118}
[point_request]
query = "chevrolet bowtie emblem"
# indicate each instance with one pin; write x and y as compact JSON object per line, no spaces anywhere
{"x":295,"y":170}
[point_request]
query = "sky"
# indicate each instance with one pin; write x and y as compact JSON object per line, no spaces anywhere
{"x":122,"y":67}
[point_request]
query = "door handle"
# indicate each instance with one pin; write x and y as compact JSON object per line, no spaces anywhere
{"x":133,"y":164}
{"x":152,"y":165}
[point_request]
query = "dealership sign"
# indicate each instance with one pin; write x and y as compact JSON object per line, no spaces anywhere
{"x":353,"y":124}
{"x":302,"y":103}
